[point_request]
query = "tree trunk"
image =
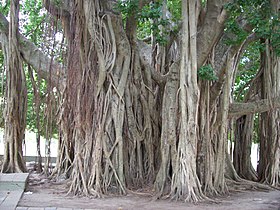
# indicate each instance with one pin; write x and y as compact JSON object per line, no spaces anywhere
{"x":15,"y":109}
{"x":205,"y":154}
{"x":37,"y":102}
{"x":269,"y":163}
{"x":168,"y":135}
{"x":115,"y":120}
{"x":107,"y":115}
{"x":185,"y":183}
{"x":242,"y":147}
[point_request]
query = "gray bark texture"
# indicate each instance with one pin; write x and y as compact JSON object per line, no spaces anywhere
{"x":16,"y":96}
{"x":134,"y":115}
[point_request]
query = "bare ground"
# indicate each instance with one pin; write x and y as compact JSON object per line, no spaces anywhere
{"x":43,"y":193}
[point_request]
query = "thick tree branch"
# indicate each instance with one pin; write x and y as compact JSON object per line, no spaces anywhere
{"x":33,"y":55}
{"x":145,"y":56}
{"x":264,"y":105}
{"x":211,"y":29}
{"x":222,"y":51}
{"x":157,"y":76}
{"x":62,"y":11}
{"x":57,"y":10}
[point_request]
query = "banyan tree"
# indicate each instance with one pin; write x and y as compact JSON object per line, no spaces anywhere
{"x":154,"y":111}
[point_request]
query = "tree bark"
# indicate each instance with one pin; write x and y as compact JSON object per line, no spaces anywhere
{"x":127,"y":121}
{"x":207,"y":37}
{"x":259,"y":106}
{"x":269,"y":163}
{"x":242,"y":147}
{"x":185,"y":183}
{"x":111,"y":91}
{"x":16,"y":96}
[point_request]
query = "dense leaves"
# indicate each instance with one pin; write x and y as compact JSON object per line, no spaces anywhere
{"x":207,"y":73}
{"x":152,"y":19}
{"x":253,"y":16}
{"x":248,"y":67}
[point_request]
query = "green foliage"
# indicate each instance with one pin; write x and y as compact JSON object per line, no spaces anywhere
{"x":5,"y":7}
{"x":31,"y":117}
{"x":32,"y":20}
{"x":127,"y":8}
{"x":258,"y":15}
{"x":275,"y":35}
{"x":175,"y":7}
{"x":239,"y":34}
{"x":32,"y":106}
{"x":259,"y":18}
{"x":206,"y":72}
{"x":247,"y":70}
{"x":57,"y":3}
{"x":150,"y":18}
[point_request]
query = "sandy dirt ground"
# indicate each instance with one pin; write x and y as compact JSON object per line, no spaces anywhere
{"x":42,"y":193}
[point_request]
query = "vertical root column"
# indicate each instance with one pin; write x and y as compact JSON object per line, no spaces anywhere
{"x":16,"y":106}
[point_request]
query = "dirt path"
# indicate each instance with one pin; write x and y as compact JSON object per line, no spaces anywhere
{"x":42,"y":193}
